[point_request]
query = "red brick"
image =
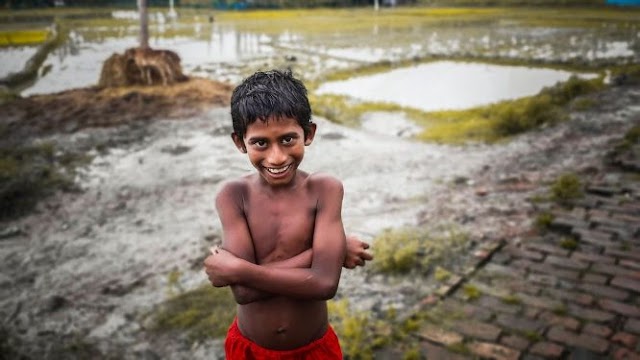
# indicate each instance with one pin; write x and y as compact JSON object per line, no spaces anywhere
{"x":620,"y":308}
{"x":575,"y":296}
{"x":615,"y":270}
{"x":625,"y":339}
{"x":590,"y":314}
{"x":438,"y":335}
{"x":588,"y":342}
{"x":606,"y":291}
{"x":498,"y":305}
{"x":594,"y":278}
{"x":523,"y":253}
{"x":564,"y":321}
{"x":547,"y":349}
{"x":555,"y":271}
{"x":519,"y":323}
{"x":631,"y":264}
{"x":493,"y":351}
{"x":515,"y":342}
{"x":632,"y":325}
{"x":625,"y":354}
{"x":626,"y":283}
{"x":565,"y":262}
{"x":633,"y":254}
{"x":540,"y":302}
{"x":546,"y":248}
{"x":597,"y":330}
{"x":435,"y":352}
{"x":595,"y":258}
{"x":478,"y":330}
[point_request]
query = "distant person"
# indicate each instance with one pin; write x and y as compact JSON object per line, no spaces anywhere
{"x":283,"y":244}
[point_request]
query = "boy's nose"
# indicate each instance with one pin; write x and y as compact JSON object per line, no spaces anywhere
{"x":276,"y":157}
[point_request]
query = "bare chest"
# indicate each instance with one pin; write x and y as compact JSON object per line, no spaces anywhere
{"x":281,"y":226}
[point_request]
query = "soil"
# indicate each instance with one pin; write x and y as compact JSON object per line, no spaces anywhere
{"x":80,"y":274}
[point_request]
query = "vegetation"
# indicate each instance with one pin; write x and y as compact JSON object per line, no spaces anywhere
{"x":544,"y":220}
{"x":202,"y":313}
{"x":413,"y":249}
{"x":566,"y":189}
{"x":568,"y":243}
{"x":471,"y":292}
{"x":29,"y":173}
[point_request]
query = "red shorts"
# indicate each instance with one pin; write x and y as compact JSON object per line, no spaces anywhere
{"x":238,"y":347}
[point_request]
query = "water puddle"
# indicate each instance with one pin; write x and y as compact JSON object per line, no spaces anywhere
{"x":447,"y":85}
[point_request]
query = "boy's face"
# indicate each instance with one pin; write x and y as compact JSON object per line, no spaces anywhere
{"x":275,"y":148}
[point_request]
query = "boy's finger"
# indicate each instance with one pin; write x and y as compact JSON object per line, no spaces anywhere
{"x":367,"y":256}
{"x":213,"y":250}
{"x":365,"y":245}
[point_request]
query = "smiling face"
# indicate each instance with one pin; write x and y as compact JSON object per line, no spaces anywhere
{"x":275,"y":148}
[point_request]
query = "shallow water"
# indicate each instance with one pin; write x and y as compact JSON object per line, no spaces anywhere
{"x":447,"y":85}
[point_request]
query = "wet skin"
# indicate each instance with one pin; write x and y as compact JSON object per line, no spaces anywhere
{"x":283,"y":239}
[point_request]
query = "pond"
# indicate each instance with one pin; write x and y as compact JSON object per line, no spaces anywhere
{"x":444,"y":85}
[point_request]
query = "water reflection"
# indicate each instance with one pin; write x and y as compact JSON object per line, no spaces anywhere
{"x":447,"y":85}
{"x":78,"y":62}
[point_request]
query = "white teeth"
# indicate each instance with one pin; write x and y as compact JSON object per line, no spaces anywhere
{"x":278,"y":170}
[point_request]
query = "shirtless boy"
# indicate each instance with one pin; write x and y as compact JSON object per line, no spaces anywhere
{"x":283,"y":242}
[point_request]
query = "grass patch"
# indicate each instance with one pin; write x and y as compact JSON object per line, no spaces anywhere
{"x":568,"y":243}
{"x":30,"y":173}
{"x":403,"y":250}
{"x":566,"y":189}
{"x":511,"y":299}
{"x":543,"y":221}
{"x":23,"y":37}
{"x":441,"y":274}
{"x":202,"y":313}
{"x":471,"y":292}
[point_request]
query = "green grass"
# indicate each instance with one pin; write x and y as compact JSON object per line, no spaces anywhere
{"x":23,"y":37}
{"x":566,"y":188}
{"x":202,"y":313}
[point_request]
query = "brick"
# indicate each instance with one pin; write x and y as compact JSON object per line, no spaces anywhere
{"x":604,"y":190}
{"x":620,"y":308}
{"x":604,"y":290}
{"x":633,"y":326}
{"x":625,"y":339}
{"x":590,"y":314}
{"x":478,"y":330}
{"x":436,"y":352}
{"x":631,"y":264}
{"x":546,"y":248}
{"x":515,"y":342}
{"x":596,"y":258}
{"x":574,"y":296}
{"x":547,"y":349}
{"x":564,"y":224}
{"x":626,"y":354}
{"x":498,"y":305}
{"x":631,"y":254}
{"x":619,"y":232}
{"x":543,"y":279}
{"x":606,"y":221}
{"x":552,"y":270}
{"x":502,"y":270}
{"x":532,"y":312}
{"x":519,"y":323}
{"x":592,"y":343}
{"x":566,"y":322}
{"x":540,"y":302}
{"x":594,"y":278}
{"x":615,"y":270}
{"x":597,"y":330}
{"x":439,"y":335}
{"x":566,"y":262}
{"x":626,"y":283}
{"x":593,"y":234}
{"x":493,"y":351}
{"x":522,"y":253}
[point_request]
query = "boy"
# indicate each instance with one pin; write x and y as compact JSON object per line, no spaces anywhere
{"x":283,"y":242}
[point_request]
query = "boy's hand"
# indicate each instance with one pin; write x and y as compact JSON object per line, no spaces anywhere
{"x":220,"y":267}
{"x":357,"y":253}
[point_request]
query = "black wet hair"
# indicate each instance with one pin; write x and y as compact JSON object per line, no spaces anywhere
{"x":266,"y":94}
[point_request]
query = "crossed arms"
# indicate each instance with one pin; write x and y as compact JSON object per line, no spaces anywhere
{"x":312,"y":274}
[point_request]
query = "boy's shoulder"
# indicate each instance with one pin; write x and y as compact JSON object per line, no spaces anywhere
{"x":325,"y":184}
{"x":234,"y":188}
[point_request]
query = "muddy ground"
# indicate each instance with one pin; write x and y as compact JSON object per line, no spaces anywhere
{"x":79,"y":274}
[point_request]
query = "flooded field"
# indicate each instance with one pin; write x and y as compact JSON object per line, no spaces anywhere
{"x":85,"y":273}
{"x":228,"y":46}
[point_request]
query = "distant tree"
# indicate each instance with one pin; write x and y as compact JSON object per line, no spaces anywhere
{"x":144,"y":24}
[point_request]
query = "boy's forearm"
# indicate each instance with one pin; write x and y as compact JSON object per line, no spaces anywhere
{"x":301,"y":283}
{"x":245,"y":295}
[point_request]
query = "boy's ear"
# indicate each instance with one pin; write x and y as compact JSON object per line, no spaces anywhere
{"x":308,"y":139}
{"x":237,"y":140}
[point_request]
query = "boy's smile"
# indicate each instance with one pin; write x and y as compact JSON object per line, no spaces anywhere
{"x":275,"y":148}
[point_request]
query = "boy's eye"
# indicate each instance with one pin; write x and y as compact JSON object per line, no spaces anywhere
{"x":287,"y":140}
{"x":260,"y":143}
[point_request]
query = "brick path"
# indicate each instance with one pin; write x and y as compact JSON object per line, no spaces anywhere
{"x":549,"y":296}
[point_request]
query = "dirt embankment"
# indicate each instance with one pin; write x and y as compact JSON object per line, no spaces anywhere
{"x":76,"y":109}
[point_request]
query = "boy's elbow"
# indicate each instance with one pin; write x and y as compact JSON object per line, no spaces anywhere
{"x":327,"y":290}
